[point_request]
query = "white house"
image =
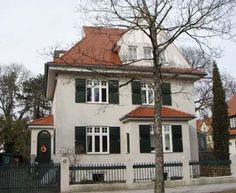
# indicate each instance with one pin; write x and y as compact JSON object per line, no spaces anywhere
{"x":232,"y":117}
{"x":101,"y":114}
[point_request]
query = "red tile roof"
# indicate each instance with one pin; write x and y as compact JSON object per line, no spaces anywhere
{"x":95,"y":48}
{"x":232,"y":106}
{"x":148,"y":112}
{"x":44,"y":121}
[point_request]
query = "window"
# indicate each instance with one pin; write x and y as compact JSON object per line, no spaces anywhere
{"x":171,"y":137}
{"x":128,"y":142}
{"x":132,"y":53}
{"x":96,"y":91}
{"x":166,"y":138}
{"x":147,"y":95}
{"x":147,"y":52}
{"x":163,"y":58}
{"x":233,"y":122}
{"x":143,"y":94}
{"x":97,"y":139}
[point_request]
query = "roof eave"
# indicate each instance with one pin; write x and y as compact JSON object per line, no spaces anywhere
{"x":126,"y":119}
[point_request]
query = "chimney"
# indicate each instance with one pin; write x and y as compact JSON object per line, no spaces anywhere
{"x":58,"y":54}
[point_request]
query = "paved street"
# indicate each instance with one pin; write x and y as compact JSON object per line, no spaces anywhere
{"x":186,"y":189}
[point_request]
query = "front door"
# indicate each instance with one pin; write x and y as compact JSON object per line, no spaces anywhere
{"x":44,"y":147}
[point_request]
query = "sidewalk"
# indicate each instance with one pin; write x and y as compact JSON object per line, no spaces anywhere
{"x":209,"y":188}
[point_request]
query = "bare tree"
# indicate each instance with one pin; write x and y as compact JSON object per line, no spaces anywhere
{"x":164,"y":22}
{"x":203,"y":88}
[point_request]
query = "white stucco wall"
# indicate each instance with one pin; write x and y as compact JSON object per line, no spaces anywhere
{"x":69,"y":114}
{"x":232,"y":146}
{"x":140,"y":40}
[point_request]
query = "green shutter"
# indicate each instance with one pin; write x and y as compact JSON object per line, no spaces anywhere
{"x":80,"y":140}
{"x":114,"y":134}
{"x":144,"y":137}
{"x":166,"y":94}
{"x":80,"y":90}
{"x":177,"y":138}
{"x":113,"y":91}
{"x":136,"y":92}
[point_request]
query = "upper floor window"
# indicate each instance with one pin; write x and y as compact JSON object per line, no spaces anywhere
{"x":143,"y":94}
{"x":233,"y":122}
{"x":147,"y":95}
{"x":132,"y":53}
{"x":147,"y":52}
{"x":96,"y":91}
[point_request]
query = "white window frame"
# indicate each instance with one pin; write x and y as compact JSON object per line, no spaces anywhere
{"x":166,"y":129}
{"x":149,"y":93}
{"x":96,"y":84}
{"x":233,"y":122}
{"x":132,"y":53}
{"x":147,"y":53}
{"x":93,"y":131}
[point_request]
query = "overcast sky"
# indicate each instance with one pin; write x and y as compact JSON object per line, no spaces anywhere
{"x":27,"y":27}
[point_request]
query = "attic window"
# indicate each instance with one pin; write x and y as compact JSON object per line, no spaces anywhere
{"x":147,"y":52}
{"x":132,"y":53}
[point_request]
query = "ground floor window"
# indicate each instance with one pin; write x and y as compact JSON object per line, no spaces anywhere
{"x":166,"y":138}
{"x":171,"y":138}
{"x":97,"y":139}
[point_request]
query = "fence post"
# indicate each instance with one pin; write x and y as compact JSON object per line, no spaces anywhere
{"x":233,"y":165}
{"x":65,"y":175}
{"x":186,"y":171}
{"x":129,"y":173}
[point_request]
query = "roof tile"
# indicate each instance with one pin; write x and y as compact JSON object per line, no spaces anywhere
{"x":47,"y":121}
{"x":166,"y":112}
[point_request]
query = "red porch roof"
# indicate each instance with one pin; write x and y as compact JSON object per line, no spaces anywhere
{"x":44,"y":121}
{"x":166,"y":112}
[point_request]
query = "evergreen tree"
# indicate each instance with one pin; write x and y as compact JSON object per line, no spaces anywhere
{"x":220,"y":120}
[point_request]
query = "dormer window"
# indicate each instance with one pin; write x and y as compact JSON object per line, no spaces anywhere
{"x":132,"y":53}
{"x":147,"y":52}
{"x":163,"y":58}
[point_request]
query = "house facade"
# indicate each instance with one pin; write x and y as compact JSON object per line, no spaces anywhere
{"x":205,"y":130}
{"x":232,"y":117}
{"x":102,"y":110}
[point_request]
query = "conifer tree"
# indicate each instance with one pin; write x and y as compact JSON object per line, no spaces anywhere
{"x":220,"y":120}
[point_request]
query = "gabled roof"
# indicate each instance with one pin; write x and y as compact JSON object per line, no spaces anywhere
{"x":207,"y":121}
{"x":232,"y":106}
{"x":147,"y":112}
{"x":95,"y":48}
{"x":44,"y":121}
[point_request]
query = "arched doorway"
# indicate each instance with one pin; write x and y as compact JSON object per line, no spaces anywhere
{"x":44,"y":147}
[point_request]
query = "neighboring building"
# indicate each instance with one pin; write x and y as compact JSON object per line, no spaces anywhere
{"x":232,"y":117}
{"x":205,"y":130}
{"x":102,"y":115}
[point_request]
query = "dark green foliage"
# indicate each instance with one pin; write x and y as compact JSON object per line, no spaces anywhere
{"x":33,"y":97}
{"x":220,"y":120}
{"x":16,"y":137}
